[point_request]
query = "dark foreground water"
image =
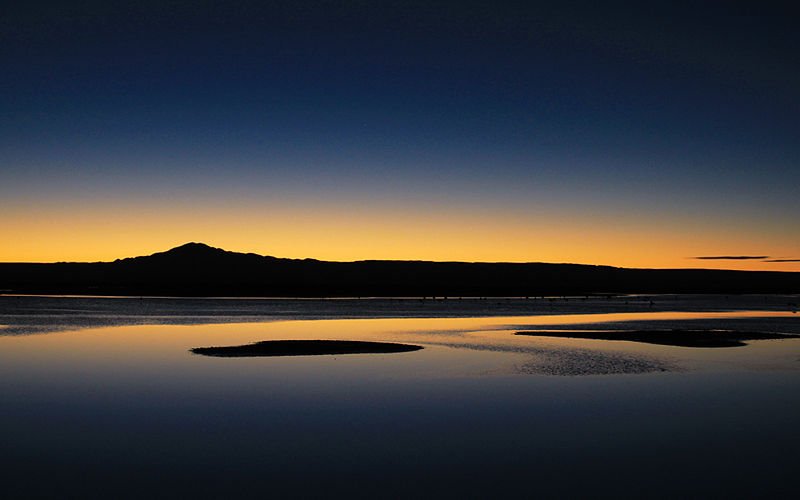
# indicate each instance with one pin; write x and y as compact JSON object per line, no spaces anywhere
{"x":102,"y":398}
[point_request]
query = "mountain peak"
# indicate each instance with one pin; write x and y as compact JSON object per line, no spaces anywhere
{"x":194,"y":247}
{"x":191,"y":252}
{"x":195,"y":253}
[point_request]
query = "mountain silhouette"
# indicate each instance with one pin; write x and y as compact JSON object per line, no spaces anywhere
{"x":190,"y":251}
{"x":196,"y":269}
{"x":191,"y":254}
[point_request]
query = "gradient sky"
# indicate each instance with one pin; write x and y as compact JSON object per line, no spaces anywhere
{"x":639,"y":134}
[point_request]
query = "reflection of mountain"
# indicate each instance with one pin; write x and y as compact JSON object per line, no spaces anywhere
{"x":198,"y":269}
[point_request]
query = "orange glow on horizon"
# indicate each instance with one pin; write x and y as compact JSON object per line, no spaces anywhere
{"x":347,"y":233}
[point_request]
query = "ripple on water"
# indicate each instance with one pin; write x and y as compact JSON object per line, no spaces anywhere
{"x":575,"y":361}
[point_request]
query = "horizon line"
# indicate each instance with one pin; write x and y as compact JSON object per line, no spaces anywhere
{"x":201,"y":244}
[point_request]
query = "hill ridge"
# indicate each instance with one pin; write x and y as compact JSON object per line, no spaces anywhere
{"x":198,"y":269}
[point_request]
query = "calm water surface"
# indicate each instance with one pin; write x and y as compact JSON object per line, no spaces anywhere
{"x":101,"y":399}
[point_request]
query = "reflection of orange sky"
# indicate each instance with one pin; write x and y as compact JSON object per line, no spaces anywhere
{"x":331,"y":231}
{"x":165,"y":343}
{"x":164,"y":340}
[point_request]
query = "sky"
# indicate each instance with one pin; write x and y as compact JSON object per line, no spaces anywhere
{"x":635,"y":134}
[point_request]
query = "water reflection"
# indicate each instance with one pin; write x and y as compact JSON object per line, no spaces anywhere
{"x":462,"y":343}
{"x":129,"y":411}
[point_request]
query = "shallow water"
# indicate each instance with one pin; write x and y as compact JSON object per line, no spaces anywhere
{"x":103,"y":407}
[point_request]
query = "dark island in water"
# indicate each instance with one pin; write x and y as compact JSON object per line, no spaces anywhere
{"x":279,"y":348}
{"x":678,"y":338}
{"x":196,"y":269}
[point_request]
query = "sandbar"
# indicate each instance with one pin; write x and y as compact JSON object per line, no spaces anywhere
{"x":679,"y":338}
{"x":304,"y":348}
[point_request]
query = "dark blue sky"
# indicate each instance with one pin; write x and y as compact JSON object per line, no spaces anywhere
{"x":684,"y":108}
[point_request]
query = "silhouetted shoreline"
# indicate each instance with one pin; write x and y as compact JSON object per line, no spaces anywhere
{"x":678,"y":338}
{"x":274,"y":348}
{"x":195,"y":270}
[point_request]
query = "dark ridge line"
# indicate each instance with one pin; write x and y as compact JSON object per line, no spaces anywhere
{"x":196,"y":269}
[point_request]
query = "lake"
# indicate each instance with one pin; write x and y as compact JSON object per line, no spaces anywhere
{"x":101,"y":397}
